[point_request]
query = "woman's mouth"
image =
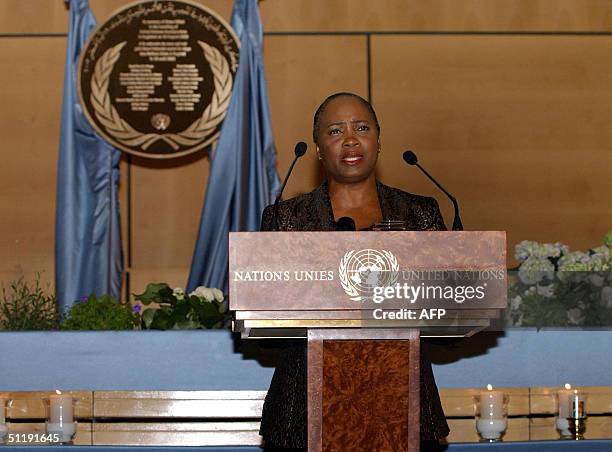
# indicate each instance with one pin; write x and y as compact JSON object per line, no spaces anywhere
{"x":352,"y":159}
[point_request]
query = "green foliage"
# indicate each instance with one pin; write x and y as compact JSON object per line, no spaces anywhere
{"x":558,"y":288}
{"x":176,"y":310}
{"x":100,"y":313}
{"x":156,"y":293}
{"x":26,"y":307}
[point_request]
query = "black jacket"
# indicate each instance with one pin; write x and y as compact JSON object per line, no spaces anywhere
{"x":284,"y":418}
{"x":313,"y":211}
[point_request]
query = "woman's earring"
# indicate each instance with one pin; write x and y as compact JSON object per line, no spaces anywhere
{"x":320,"y":158}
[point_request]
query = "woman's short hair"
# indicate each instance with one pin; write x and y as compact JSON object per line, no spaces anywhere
{"x":316,"y":124}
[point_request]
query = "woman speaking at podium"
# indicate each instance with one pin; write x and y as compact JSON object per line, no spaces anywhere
{"x":347,"y":137}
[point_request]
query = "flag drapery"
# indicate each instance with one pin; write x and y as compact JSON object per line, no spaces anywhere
{"x":88,"y":258}
{"x":243,"y":179}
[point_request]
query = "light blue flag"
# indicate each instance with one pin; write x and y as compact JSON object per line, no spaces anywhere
{"x":88,"y":256}
{"x":243,"y":179}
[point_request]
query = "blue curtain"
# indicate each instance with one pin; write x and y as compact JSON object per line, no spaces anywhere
{"x":243,"y":177}
{"x":88,"y":256}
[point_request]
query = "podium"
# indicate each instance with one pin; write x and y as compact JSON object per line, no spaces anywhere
{"x":363,"y":300}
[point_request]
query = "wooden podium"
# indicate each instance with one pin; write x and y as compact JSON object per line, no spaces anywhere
{"x":354,"y":297}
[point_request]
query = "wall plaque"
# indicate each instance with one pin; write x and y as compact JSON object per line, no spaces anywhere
{"x":156,"y":78}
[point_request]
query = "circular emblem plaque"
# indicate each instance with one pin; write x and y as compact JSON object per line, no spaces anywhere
{"x":156,"y":78}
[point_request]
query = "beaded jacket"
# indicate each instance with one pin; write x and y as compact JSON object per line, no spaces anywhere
{"x":284,"y":417}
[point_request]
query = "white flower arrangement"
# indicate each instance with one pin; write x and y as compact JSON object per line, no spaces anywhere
{"x":559,"y":287}
{"x":202,"y":308}
{"x":527,"y":249}
{"x":536,"y":269}
{"x":208,"y":294}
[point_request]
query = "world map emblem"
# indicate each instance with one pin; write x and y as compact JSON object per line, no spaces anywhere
{"x":156,"y":78}
{"x":360,"y":271}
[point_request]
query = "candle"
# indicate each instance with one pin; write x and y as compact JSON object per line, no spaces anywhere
{"x":491,"y":404}
{"x":578,"y":410}
{"x":60,"y":408}
{"x":61,"y":417}
{"x":563,"y":400}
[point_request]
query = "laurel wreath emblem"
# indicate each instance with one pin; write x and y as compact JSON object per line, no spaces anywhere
{"x":194,"y":134}
{"x":350,"y":289}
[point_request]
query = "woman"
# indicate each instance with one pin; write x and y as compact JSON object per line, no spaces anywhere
{"x":347,"y":137}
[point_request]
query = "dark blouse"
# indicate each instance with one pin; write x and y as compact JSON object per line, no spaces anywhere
{"x":284,"y":421}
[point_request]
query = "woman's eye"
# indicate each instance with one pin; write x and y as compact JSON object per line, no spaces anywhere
{"x":363,"y":128}
{"x":334,"y":131}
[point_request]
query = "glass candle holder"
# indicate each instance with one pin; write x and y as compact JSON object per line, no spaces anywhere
{"x":577,"y":405}
{"x":491,"y":413}
{"x":577,"y":415}
{"x":3,"y":424}
{"x":60,"y":421}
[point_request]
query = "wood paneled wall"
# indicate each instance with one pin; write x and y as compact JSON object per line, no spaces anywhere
{"x":508,"y":102}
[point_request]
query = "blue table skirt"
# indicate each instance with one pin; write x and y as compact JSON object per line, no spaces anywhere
{"x":214,"y":360}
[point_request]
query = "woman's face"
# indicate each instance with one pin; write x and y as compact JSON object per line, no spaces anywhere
{"x":348,"y":140}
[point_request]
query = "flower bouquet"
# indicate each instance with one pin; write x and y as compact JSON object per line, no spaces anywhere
{"x":556,"y":287}
{"x":202,"y":308}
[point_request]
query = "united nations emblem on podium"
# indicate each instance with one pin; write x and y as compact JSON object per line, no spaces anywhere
{"x":360,"y":271}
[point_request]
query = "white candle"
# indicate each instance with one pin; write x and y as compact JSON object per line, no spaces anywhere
{"x":563,"y":400}
{"x":60,"y":409}
{"x":491,"y":428}
{"x":491,"y":404}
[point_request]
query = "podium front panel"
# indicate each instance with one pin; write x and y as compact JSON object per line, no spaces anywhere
{"x":344,"y":271}
{"x":363,"y":390}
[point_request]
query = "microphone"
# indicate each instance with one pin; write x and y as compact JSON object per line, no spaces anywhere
{"x":345,"y":224}
{"x":299,"y":150}
{"x":411,"y":159}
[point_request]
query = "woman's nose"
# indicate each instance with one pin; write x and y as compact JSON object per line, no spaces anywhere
{"x":350,"y":139}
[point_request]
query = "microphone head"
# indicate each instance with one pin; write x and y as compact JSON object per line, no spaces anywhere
{"x":345,"y":224}
{"x":410,"y":158}
{"x":300,"y":149}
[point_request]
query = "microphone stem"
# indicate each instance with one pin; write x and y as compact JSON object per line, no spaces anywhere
{"x":280,"y":193}
{"x":437,"y":184}
{"x":457,"y":225}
